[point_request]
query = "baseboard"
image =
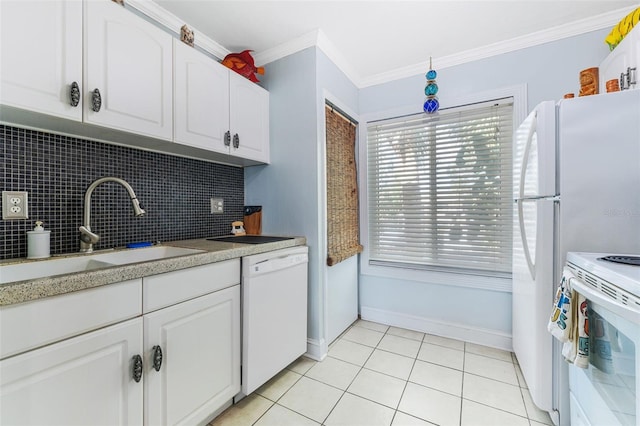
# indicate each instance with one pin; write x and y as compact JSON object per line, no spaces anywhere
{"x":316,"y":349}
{"x":481,"y":336}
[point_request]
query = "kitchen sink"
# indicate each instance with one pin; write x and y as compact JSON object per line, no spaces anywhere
{"x":250,"y":239}
{"x":67,"y":265}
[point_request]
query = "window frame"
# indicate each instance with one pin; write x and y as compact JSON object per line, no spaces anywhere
{"x":433,"y":275}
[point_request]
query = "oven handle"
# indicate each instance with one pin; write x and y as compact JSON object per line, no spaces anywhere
{"x":612,"y":305}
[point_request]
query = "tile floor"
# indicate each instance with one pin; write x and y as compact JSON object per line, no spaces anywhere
{"x":380,"y":375}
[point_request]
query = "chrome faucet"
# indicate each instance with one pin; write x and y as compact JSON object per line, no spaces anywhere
{"x":88,"y":238}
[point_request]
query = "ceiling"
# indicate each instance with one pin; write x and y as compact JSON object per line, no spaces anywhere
{"x":372,"y":41}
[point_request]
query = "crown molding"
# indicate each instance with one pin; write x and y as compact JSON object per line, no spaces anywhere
{"x":530,"y":40}
{"x":315,"y":38}
{"x":172,"y":23}
{"x":319,"y":39}
{"x":290,"y":47}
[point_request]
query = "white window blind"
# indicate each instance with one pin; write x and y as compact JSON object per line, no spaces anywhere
{"x":439,"y":189}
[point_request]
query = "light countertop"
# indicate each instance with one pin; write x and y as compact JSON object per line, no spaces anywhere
{"x":214,"y":251}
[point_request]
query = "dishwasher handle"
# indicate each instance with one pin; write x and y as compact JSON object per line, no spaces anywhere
{"x":278,"y":263}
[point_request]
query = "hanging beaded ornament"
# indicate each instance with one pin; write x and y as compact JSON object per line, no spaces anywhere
{"x":431,"y":104}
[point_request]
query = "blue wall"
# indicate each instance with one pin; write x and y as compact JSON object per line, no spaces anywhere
{"x":291,"y":190}
{"x":549,"y":70}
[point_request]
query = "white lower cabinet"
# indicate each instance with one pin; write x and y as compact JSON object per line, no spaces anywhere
{"x":164,"y":350}
{"x":200,"y":368}
{"x":84,"y":380}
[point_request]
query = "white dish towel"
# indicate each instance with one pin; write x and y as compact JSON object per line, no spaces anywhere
{"x":569,"y":321}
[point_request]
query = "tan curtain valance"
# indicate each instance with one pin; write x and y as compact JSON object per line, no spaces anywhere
{"x":342,"y":189}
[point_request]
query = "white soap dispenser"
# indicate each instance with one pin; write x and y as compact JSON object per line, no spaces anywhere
{"x":38,"y":242}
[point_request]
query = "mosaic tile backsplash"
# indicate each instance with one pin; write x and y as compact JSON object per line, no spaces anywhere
{"x":56,"y":171}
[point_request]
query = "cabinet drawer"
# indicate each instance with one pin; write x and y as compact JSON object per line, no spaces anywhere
{"x":168,"y":289}
{"x":37,"y":323}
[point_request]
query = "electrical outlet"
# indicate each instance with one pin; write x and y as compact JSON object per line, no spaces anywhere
{"x":217,"y":205}
{"x":15,"y":205}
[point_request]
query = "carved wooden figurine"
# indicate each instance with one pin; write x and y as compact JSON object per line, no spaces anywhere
{"x":589,"y":81}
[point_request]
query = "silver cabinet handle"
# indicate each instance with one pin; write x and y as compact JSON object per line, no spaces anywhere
{"x":236,"y":141}
{"x":96,"y":100}
{"x":137,"y":368}
{"x":227,"y":138}
{"x":74,"y":94}
{"x":157,"y":357}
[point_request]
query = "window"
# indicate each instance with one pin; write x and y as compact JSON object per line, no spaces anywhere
{"x":440,"y":191}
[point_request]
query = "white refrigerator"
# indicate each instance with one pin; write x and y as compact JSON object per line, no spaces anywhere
{"x":576,"y":188}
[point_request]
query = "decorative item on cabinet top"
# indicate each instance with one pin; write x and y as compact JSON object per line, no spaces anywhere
{"x":589,"y":81}
{"x":619,"y":32}
{"x":431,"y":104}
{"x":120,"y":2}
{"x":243,"y":64}
{"x":186,"y":35}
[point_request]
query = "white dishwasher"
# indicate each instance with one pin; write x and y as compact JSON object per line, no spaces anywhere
{"x":274,"y":313}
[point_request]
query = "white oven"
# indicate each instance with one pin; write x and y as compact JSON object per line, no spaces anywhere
{"x":606,"y":393}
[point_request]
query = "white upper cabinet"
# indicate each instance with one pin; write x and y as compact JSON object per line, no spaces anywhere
{"x":622,"y":63}
{"x":201,"y":99}
{"x":129,"y":62}
{"x":249,"y":119}
{"x":41,"y":56}
{"x":96,"y":62}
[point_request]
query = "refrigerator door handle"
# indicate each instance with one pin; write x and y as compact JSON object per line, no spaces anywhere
{"x":525,"y":243}
{"x":525,"y":157}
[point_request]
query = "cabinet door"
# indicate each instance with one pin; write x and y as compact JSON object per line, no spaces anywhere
{"x":130,"y":62}
{"x":200,"y":371}
{"x":201,"y":107}
{"x":615,"y":64}
{"x":80,"y":381}
{"x":249,"y":109}
{"x":41,"y":55}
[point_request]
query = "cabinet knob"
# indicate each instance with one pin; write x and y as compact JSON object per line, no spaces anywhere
{"x":236,"y":140}
{"x":157,"y":357}
{"x":74,"y":94}
{"x":137,"y":368}
{"x":96,"y":100}
{"x":227,"y":138}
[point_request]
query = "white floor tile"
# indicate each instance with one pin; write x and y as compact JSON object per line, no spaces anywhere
{"x":493,"y":393}
{"x":301,"y":365}
{"x":490,"y":367}
{"x":437,"y":377}
{"x":402,"y":419}
{"x":371,"y":325}
{"x":352,"y":410}
{"x":488,"y":351}
{"x":474,"y":414}
{"x":431,"y":405}
{"x":244,"y":413}
{"x":441,"y":355}
{"x":277,"y":386}
{"x":392,"y":364}
{"x":378,"y":387}
{"x":352,"y":352}
{"x":280,"y":416}
{"x":521,"y":381}
{"x":408,"y":334}
{"x":400,"y":345}
{"x":533,"y":411}
{"x":444,"y":341}
{"x":311,"y":399}
{"x":363,"y":336}
{"x":334,"y":372}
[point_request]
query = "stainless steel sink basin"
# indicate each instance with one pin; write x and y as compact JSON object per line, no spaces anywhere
{"x":250,"y":239}
{"x":67,"y":265}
